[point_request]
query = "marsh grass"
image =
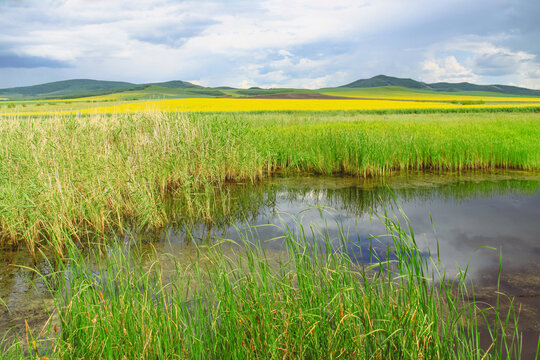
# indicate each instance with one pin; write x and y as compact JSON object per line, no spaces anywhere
{"x":236,"y":302}
{"x":74,"y":179}
{"x":69,"y":179}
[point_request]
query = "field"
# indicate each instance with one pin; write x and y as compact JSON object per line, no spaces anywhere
{"x":382,"y":99}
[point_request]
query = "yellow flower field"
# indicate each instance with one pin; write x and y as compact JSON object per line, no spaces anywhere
{"x":250,"y":105}
{"x":232,"y":105}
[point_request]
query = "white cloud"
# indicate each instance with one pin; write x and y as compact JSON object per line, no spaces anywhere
{"x":482,"y":60}
{"x":285,"y":53}
{"x":447,"y":69}
{"x":244,"y":84}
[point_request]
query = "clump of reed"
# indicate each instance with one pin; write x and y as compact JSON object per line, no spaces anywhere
{"x":70,"y":178}
{"x":65,"y":179}
{"x":235,"y":301}
{"x":376,"y":146}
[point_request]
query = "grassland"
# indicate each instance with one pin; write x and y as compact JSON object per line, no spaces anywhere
{"x":66,"y":179}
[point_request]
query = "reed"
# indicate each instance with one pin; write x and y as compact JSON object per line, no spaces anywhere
{"x":72,"y":179}
{"x":235,"y":301}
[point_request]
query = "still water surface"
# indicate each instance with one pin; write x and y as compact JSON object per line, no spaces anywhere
{"x":473,"y":218}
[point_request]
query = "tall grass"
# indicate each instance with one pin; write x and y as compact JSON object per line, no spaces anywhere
{"x":237,"y":302}
{"x":67,"y":179}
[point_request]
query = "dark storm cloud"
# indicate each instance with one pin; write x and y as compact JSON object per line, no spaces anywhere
{"x":27,"y":62}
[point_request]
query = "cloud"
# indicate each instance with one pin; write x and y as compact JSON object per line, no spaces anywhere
{"x":534,"y":73}
{"x":500,"y":61}
{"x":268,"y":42}
{"x":447,"y":69}
{"x":495,"y":64}
{"x":18,"y":61}
{"x":475,"y":58}
{"x":171,"y":35}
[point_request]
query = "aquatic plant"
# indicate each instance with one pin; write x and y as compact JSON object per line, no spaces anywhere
{"x":67,"y":179}
{"x":234,"y":300}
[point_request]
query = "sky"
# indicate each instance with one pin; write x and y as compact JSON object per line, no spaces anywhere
{"x":278,"y":43}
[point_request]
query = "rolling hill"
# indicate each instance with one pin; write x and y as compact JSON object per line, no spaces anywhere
{"x":84,"y":88}
{"x":79,"y":88}
{"x":383,"y":80}
{"x":66,"y":88}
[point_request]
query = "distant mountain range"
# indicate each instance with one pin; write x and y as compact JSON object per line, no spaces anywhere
{"x":383,"y":80}
{"x":86,"y":87}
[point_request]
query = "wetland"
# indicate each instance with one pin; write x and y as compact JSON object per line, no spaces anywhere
{"x":461,"y":220}
{"x":309,"y":234}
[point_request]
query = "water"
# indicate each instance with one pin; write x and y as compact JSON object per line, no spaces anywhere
{"x":473,"y":219}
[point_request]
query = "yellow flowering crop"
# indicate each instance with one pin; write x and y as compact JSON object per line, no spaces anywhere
{"x":233,"y":105}
{"x":250,"y":105}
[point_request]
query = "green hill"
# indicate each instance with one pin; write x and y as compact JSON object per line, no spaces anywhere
{"x":465,"y":86}
{"x":86,"y":87}
{"x":383,"y":80}
{"x":178,"y":84}
{"x":66,"y":88}
{"x":69,"y":89}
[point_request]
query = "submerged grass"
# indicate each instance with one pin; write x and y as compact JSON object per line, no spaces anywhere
{"x":236,"y":302}
{"x":67,"y":179}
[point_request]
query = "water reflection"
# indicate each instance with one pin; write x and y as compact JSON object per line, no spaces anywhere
{"x":464,"y":213}
{"x":468,"y":211}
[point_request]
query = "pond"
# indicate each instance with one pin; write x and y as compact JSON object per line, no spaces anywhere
{"x":472,"y":220}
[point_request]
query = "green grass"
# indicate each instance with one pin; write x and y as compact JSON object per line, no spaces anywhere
{"x":468,"y":102}
{"x":67,"y":179}
{"x":236,"y":302}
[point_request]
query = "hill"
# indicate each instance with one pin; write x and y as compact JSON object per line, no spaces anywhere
{"x":383,"y":80}
{"x":86,"y":87}
{"x":118,"y":90}
{"x":178,"y":84}
{"x":66,"y":88}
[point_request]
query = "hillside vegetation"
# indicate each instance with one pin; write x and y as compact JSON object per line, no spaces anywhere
{"x":121,"y":90}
